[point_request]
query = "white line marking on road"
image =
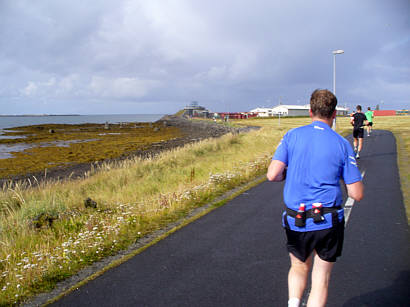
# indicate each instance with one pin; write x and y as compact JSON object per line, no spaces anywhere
{"x":349,"y":205}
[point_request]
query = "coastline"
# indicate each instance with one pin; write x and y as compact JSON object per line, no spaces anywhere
{"x":192,"y":131}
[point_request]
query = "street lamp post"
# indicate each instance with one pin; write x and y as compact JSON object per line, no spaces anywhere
{"x":335,"y":52}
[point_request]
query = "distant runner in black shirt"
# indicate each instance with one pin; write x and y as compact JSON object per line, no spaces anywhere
{"x":358,"y":121}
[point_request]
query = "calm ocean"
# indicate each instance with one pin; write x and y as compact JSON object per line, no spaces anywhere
{"x":16,"y":121}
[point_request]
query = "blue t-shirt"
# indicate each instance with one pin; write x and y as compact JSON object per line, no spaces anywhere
{"x":317,"y":158}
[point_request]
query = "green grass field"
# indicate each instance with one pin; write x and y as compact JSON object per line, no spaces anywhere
{"x":47,"y":233}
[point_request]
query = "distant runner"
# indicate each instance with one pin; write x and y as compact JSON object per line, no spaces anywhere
{"x":313,"y":159}
{"x":358,"y":121}
{"x":369,"y":117}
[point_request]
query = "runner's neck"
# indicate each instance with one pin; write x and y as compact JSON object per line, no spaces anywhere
{"x":327,"y":121}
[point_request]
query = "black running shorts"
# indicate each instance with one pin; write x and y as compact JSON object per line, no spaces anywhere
{"x":327,"y":243}
{"x":358,"y":133}
{"x":370,"y":124}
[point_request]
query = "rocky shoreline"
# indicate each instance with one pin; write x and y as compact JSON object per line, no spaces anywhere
{"x":192,"y":131}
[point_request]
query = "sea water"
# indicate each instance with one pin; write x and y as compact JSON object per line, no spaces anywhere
{"x":17,"y":121}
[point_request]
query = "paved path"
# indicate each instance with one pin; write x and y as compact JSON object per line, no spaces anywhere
{"x":236,"y":255}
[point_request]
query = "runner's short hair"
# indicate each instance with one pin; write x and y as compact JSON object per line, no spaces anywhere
{"x":323,"y":103}
{"x":368,"y":108}
{"x":359,"y":107}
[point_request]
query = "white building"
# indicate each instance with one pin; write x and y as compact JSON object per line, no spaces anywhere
{"x":263,"y":112}
{"x":291,"y":110}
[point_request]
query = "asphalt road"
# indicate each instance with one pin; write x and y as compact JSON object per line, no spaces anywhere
{"x":236,"y":255}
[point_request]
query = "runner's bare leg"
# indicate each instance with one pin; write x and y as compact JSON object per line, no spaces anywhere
{"x":360,"y":144}
{"x":320,"y":282}
{"x":298,"y":274}
{"x":355,"y":143}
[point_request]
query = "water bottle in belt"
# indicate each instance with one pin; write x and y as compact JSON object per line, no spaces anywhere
{"x":317,"y":212}
{"x":300,"y":218}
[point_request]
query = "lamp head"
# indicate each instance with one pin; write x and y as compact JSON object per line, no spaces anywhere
{"x":338,"y":51}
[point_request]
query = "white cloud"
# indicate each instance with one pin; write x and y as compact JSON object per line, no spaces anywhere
{"x":30,"y":89}
{"x":35,"y":88}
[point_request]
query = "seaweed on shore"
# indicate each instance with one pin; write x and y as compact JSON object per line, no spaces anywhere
{"x":60,"y":145}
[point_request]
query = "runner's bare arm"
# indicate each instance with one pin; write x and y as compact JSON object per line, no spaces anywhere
{"x":276,"y":171}
{"x":355,"y":190}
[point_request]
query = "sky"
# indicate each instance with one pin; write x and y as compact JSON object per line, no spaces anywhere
{"x":156,"y":56}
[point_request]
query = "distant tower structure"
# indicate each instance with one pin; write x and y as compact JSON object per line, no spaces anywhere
{"x":195,"y":110}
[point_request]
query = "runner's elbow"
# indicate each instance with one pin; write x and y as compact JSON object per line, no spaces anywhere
{"x":356,"y":191}
{"x":271,"y":177}
{"x":358,"y":197}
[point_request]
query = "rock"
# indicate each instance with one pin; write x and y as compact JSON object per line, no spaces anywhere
{"x":156,"y":129}
{"x":42,"y":220}
{"x":51,"y":131}
{"x":106,"y":126}
{"x":89,"y":203}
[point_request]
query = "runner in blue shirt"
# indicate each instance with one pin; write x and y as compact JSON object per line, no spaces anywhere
{"x":313,"y":159}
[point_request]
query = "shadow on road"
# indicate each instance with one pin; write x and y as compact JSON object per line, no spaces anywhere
{"x":397,"y":294}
